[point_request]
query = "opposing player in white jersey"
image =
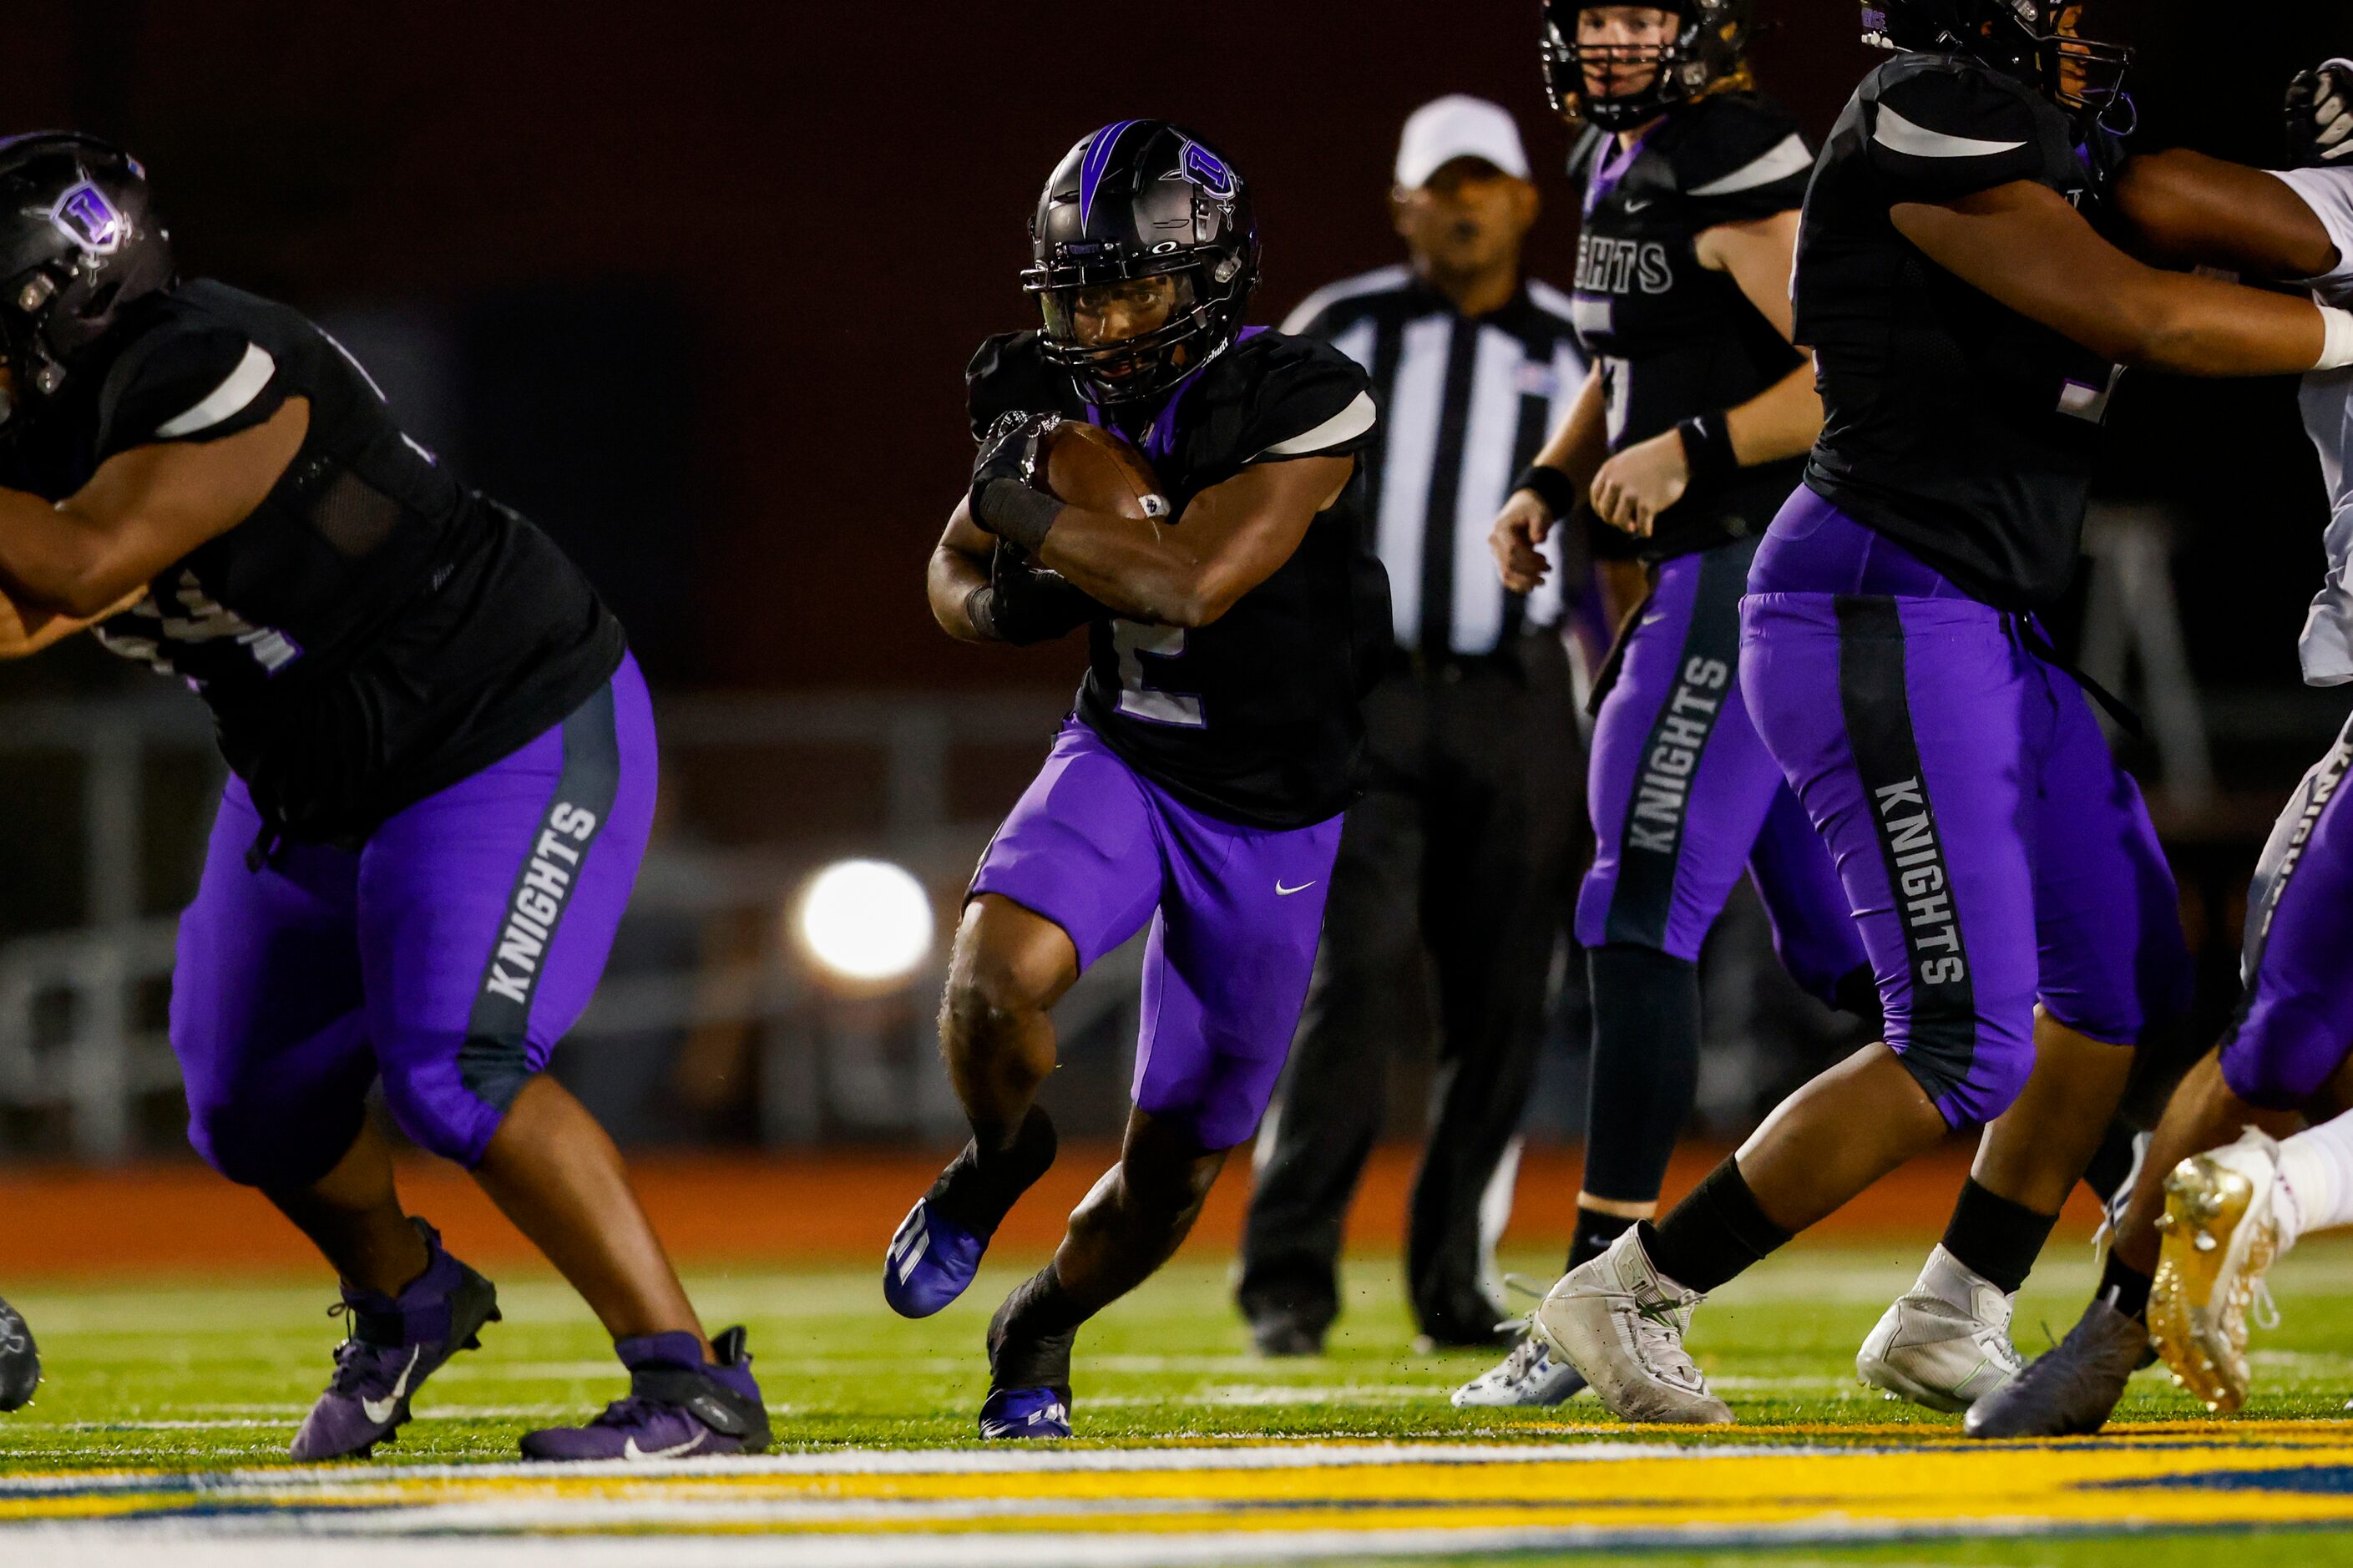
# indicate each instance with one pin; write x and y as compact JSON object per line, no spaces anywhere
{"x":2207,"y":1224}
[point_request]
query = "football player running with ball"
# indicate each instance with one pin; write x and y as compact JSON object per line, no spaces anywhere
{"x":1968,"y":319}
{"x":442,"y":778}
{"x":1689,"y":432}
{"x":2207,"y":1224}
{"x":1199,"y":787}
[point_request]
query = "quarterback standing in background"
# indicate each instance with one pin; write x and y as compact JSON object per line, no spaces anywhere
{"x":1232,"y":623}
{"x":1689,"y":435}
{"x":442,"y":761}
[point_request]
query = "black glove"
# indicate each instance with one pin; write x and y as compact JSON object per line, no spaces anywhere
{"x":1024,"y":602}
{"x":2320,"y":116}
{"x":1006,"y":498}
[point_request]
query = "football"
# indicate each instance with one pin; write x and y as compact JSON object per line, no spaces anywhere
{"x":1099,"y":469}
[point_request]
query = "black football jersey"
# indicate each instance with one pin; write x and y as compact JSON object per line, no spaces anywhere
{"x":1673,"y":339}
{"x":1953,"y":425}
{"x":374,"y":631}
{"x":1252,"y":718}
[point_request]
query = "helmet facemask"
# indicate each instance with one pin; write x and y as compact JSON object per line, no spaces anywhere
{"x":2035,"y":40}
{"x":1706,"y":46}
{"x":1142,"y":231}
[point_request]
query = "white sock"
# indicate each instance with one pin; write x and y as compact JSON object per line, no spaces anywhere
{"x":1952,"y":1281}
{"x":2316,"y":1168}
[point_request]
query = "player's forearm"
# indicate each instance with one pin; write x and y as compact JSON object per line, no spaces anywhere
{"x":1139,"y":568}
{"x":25,"y":632}
{"x":1581,"y":444}
{"x":2197,"y":326}
{"x":950,"y":582}
{"x":1778,"y":423}
{"x":50,"y":562}
{"x":2189,"y":209}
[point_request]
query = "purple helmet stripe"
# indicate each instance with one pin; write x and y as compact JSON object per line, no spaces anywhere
{"x":1099,"y":147}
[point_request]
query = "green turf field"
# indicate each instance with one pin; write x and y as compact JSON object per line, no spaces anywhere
{"x":213,"y":1377}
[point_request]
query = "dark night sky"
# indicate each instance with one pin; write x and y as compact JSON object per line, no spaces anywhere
{"x":696,"y":284}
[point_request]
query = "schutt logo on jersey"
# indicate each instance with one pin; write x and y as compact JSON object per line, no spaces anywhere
{"x":84,"y":215}
{"x":1620,"y":266}
{"x":539,"y":902}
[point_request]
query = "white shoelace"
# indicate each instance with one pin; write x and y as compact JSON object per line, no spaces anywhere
{"x":1659,"y":1346}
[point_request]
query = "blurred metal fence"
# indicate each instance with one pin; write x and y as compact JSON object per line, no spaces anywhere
{"x":81,"y":1024}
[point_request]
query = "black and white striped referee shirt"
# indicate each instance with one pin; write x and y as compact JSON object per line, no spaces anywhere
{"x":1465,"y":406}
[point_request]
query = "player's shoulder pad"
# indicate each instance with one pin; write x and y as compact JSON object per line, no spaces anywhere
{"x":1939,"y":126}
{"x":192,"y":371}
{"x":1738,"y":156}
{"x":1277,"y":397}
{"x":1011,"y":373}
{"x":1333,"y":308}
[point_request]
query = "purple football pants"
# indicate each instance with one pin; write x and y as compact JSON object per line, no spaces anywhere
{"x":1993,"y":852}
{"x":447,"y":955}
{"x":1683,"y":794}
{"x":1098,"y":849}
{"x":2294,"y":1024}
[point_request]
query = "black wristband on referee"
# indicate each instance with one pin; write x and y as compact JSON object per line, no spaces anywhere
{"x":1707,"y":449}
{"x":1550,"y":486}
{"x":1018,"y":514}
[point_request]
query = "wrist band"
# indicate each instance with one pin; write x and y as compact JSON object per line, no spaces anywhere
{"x":980,"y":609}
{"x":1550,"y":486}
{"x":1013,"y":512}
{"x":2336,"y":339}
{"x":1707,"y":448}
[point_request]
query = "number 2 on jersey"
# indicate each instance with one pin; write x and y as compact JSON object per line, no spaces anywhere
{"x":1138,"y":698}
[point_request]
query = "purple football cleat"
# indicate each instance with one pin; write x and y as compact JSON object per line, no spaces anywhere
{"x":679,"y":1406}
{"x":931,"y":1261}
{"x":394,"y":1344}
{"x":937,"y":1248}
{"x":1025,"y":1413}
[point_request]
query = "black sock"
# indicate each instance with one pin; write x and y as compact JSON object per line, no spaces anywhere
{"x":1714,"y":1234}
{"x":1030,"y":1339}
{"x":1594,"y":1233}
{"x":1645,"y":1068}
{"x":2123,"y":1287}
{"x":977,"y":1190}
{"x":1996,"y":1237}
{"x":2112,"y":1161}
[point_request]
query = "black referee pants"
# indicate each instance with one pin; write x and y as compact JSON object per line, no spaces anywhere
{"x":1459,"y":862}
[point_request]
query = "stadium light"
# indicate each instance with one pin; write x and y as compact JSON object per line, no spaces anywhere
{"x":865,"y":920}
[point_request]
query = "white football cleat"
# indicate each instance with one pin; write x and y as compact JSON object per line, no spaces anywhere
{"x":1620,"y":1324}
{"x":1946,"y":1342}
{"x":2220,"y":1231}
{"x":1533,"y":1376}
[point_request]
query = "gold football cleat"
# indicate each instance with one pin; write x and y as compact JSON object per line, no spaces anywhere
{"x":2217,"y":1236}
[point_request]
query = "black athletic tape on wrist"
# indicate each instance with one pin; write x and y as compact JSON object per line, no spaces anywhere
{"x":1707,"y":448}
{"x":1014,"y":512}
{"x":1550,"y":486}
{"x":980,"y":609}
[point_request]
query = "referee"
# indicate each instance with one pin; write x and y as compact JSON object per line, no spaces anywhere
{"x":1458,"y":860}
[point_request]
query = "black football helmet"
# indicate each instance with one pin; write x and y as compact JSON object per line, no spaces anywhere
{"x":80,"y":242}
{"x":1143,"y":199}
{"x":2029,"y":39}
{"x":1708,"y":47}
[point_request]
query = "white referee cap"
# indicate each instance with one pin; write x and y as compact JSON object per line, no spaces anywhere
{"x":1458,"y":126}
